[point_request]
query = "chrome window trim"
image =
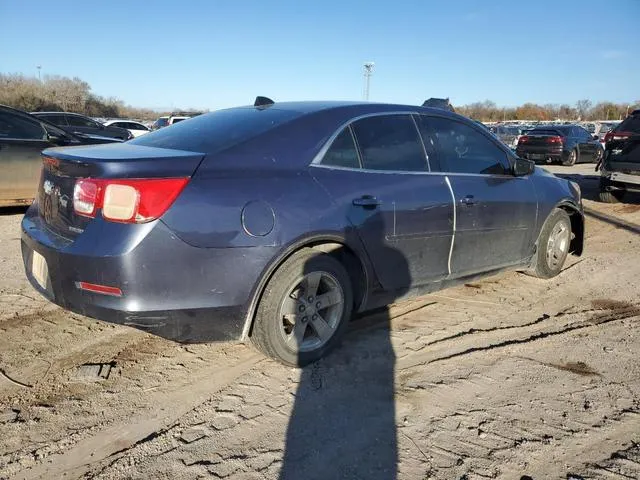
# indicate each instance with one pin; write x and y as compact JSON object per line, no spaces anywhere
{"x":23,"y":139}
{"x":320,"y":155}
{"x":406,"y":172}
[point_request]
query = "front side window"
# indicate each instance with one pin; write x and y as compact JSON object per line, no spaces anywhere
{"x":343,"y":152}
{"x":465,"y":150}
{"x":390,"y":142}
{"x":76,"y":121}
{"x":14,"y":126}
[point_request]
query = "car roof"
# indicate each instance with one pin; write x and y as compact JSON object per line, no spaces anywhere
{"x":59,"y":113}
{"x":353,"y":107}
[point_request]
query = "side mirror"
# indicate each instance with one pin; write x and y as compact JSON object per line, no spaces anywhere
{"x":523,"y":167}
{"x":57,"y":140}
{"x":595,"y":137}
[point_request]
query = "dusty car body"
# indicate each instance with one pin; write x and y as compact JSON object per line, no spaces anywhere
{"x":276,"y":222}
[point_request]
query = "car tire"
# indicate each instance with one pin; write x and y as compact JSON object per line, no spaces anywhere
{"x":610,"y":197}
{"x":291,"y":326}
{"x":552,"y":246}
{"x":571,"y":159}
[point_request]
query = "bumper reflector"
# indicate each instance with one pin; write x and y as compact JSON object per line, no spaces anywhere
{"x":92,"y":287}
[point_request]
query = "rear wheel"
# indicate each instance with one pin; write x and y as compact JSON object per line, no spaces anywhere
{"x":304,"y":309}
{"x":571,"y":159}
{"x":553,"y":245}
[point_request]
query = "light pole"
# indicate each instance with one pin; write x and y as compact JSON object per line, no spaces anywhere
{"x":368,"y":71}
{"x":39,"y":67}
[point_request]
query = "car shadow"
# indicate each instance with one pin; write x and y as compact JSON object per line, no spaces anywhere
{"x":8,"y":211}
{"x":343,"y":420}
{"x":590,"y":186}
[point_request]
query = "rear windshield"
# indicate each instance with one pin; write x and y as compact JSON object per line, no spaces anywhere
{"x":630,"y":124}
{"x":218,"y":130}
{"x":542,"y":131}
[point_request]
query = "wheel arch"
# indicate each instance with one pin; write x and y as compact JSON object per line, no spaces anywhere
{"x":351,"y":256}
{"x":576,"y":217}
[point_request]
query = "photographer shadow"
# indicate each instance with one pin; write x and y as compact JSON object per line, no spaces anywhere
{"x":343,"y":422}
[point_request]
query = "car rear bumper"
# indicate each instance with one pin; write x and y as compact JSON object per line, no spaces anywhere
{"x":169,"y":288}
{"x":616,"y":181}
{"x":540,"y":154}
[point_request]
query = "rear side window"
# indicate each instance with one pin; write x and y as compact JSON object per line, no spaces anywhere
{"x":76,"y":121}
{"x":14,"y":126}
{"x":390,"y":142}
{"x":215,"y":131}
{"x":629,"y":124}
{"x":465,"y":150}
{"x":343,"y":152}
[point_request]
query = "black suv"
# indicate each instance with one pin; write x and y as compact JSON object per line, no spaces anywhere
{"x":620,"y":168}
{"x":75,"y":123}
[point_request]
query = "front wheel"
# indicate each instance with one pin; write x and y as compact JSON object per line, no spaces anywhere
{"x":304,"y":309}
{"x":553,"y":245}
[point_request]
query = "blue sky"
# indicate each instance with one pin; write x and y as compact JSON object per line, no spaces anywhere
{"x":220,"y":53}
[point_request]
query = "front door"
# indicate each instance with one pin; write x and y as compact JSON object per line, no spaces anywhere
{"x":495,"y":211}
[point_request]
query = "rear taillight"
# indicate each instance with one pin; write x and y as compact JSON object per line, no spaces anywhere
{"x":523,"y":139}
{"x":124,"y":200}
{"x":617,"y":135}
{"x":555,"y":140}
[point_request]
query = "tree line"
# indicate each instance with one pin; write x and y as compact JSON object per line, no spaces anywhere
{"x":488,"y":111}
{"x":58,"y":93}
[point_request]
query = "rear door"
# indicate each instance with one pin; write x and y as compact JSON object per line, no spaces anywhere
{"x":378,"y":170}
{"x":21,"y":141}
{"x":495,"y":211}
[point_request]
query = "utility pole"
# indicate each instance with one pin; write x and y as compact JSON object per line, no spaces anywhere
{"x":368,"y":71}
{"x":39,"y":67}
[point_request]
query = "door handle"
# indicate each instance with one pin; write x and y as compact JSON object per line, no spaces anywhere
{"x":468,"y":201}
{"x":367,"y":201}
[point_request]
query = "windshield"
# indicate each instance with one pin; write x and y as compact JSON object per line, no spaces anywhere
{"x":630,"y":124}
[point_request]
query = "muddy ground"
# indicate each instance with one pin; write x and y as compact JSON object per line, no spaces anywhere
{"x":500,"y":378}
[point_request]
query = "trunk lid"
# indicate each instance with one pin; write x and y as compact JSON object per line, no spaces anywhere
{"x":62,"y":167}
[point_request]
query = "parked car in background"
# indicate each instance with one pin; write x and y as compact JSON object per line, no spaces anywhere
{"x":620,"y":169}
{"x":160,"y":123}
{"x":175,"y":117}
{"x":22,"y":139}
{"x":76,"y":123}
{"x":567,"y":144}
{"x":294,"y":215}
{"x":507,"y":134}
{"x":135,"y":128}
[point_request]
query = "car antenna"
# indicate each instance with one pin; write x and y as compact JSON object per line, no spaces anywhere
{"x":263,"y":102}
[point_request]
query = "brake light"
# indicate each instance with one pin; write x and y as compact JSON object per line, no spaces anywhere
{"x":554,"y":140}
{"x":125,"y":200}
{"x":619,"y":135}
{"x":86,"y":194}
{"x":523,"y":139}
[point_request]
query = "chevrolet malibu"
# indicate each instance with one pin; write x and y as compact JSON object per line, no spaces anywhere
{"x":277,"y":222}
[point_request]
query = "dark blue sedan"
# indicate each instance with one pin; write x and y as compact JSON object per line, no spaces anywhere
{"x":278,"y":222}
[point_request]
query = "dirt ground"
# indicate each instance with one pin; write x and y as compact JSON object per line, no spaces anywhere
{"x":501,"y":378}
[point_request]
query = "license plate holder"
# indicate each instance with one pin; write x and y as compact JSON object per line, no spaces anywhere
{"x":39,"y":269}
{"x":536,"y":156}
